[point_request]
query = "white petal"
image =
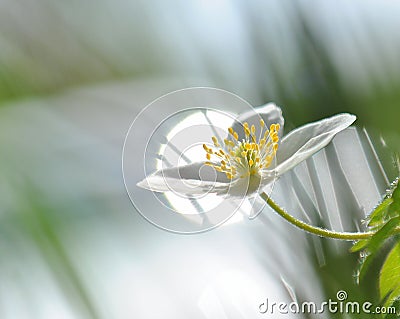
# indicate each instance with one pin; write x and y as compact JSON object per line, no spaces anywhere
{"x":250,"y":185}
{"x":306,"y":140}
{"x":270,"y":113}
{"x":192,"y":179}
{"x":183,"y":187}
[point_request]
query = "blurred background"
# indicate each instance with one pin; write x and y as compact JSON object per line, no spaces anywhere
{"x":73,"y":76}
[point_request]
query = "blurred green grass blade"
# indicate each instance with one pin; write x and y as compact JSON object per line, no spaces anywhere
{"x":41,"y":222}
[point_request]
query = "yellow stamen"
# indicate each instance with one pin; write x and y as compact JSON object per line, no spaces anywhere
{"x":246,"y":157}
{"x":215,"y":141}
{"x":207,"y":149}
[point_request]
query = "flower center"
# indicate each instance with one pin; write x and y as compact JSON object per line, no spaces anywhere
{"x":246,"y":157}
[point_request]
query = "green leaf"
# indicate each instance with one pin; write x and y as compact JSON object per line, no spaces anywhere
{"x":376,"y":242}
{"x":389,"y":281}
{"x":382,"y":234}
{"x":394,"y":313}
{"x":384,"y":222}
{"x":364,"y":266}
{"x":378,"y":216}
{"x":394,"y":209}
{"x":361,"y":244}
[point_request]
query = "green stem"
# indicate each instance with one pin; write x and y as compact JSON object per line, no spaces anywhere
{"x":312,"y":229}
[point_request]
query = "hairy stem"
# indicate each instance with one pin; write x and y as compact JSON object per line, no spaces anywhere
{"x":312,"y":229}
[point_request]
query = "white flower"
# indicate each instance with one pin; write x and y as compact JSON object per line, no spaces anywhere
{"x":250,"y":157}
